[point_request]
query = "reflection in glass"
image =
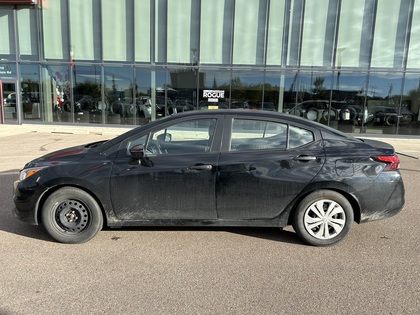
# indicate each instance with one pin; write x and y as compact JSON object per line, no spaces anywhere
{"x":30,"y":97}
{"x":383,"y":97}
{"x":182,"y":84}
{"x":218,"y":82}
{"x":56,"y":88}
{"x":411,"y":101}
{"x":314,"y":85}
{"x":142,"y":98}
{"x":118,"y":103}
{"x":348,"y":98}
{"x":247,"y":89}
{"x":288,"y":94}
{"x":273,"y":91}
{"x":86,"y":94}
{"x":161,"y":92}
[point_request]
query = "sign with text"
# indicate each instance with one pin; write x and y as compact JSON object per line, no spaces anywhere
{"x":213,"y":95}
{"x":5,"y":70}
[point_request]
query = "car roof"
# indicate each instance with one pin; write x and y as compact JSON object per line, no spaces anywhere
{"x":247,"y":114}
{"x":327,"y":132}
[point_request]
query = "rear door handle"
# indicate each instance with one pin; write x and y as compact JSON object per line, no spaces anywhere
{"x":200,"y":167}
{"x":304,"y":158}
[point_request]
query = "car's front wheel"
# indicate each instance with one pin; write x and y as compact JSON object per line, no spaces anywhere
{"x":71,"y":215}
{"x":323,"y":218}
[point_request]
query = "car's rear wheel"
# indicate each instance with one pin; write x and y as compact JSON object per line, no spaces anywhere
{"x":71,"y":215}
{"x":323,"y":218}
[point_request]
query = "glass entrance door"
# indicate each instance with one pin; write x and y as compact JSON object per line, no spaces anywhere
{"x":10,"y":102}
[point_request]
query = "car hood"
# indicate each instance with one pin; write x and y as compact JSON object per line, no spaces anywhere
{"x":70,"y":154}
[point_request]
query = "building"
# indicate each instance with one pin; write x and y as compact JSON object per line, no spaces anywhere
{"x":352,"y":64}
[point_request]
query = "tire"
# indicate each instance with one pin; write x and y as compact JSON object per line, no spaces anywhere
{"x":353,"y":113}
{"x":315,"y":222}
{"x":67,"y":106}
{"x":312,"y":114}
{"x":406,"y":119}
{"x":296,"y":112}
{"x":132,"y":110}
{"x":117,"y":108}
{"x":86,"y":105}
{"x":380,"y":118}
{"x":71,"y":215}
{"x":331,"y":114}
{"x":391,"y":120}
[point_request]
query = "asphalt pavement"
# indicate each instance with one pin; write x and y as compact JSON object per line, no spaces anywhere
{"x":375,"y":270}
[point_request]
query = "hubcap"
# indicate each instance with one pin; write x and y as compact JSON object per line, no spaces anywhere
{"x":324,"y":219}
{"x":72,"y":216}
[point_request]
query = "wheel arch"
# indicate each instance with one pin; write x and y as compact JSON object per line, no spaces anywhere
{"x":341,"y":189}
{"x":53,"y":189}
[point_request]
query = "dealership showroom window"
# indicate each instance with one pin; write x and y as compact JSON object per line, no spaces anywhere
{"x":350,"y":64}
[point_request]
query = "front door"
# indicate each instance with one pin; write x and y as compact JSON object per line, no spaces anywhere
{"x":176,"y":180}
{"x":10,"y":106}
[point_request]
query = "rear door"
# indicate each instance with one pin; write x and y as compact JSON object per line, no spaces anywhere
{"x":264,"y":166}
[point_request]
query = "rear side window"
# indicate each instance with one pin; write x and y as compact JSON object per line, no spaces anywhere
{"x":299,"y":137}
{"x":257,"y":135}
{"x":262,"y":135}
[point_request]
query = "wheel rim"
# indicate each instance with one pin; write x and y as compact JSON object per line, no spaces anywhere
{"x":312,"y":115}
{"x":324,"y":219}
{"x":72,"y":216}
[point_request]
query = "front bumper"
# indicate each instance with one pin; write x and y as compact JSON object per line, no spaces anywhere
{"x":26,"y":197}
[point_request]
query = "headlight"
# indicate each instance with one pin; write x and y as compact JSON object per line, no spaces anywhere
{"x":25,"y":173}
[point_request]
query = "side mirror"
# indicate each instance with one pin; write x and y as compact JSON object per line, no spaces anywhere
{"x":164,"y":137}
{"x":137,"y":152}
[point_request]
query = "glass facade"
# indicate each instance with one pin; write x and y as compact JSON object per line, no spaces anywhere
{"x":127,"y":62}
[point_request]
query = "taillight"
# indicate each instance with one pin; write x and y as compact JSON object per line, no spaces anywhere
{"x":392,"y":161}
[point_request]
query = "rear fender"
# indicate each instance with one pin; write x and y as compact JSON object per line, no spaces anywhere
{"x":342,"y":188}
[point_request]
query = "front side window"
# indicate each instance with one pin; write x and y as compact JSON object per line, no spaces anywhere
{"x":193,"y":136}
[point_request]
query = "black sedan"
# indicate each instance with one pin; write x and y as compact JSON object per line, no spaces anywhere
{"x":214,"y":168}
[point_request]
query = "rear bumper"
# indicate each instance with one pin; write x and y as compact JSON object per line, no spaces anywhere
{"x":391,"y":206}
